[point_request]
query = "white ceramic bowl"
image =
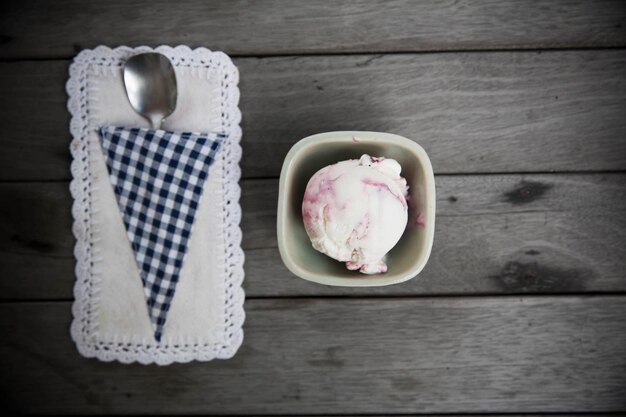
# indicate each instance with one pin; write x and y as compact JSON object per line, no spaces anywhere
{"x":309,"y":155}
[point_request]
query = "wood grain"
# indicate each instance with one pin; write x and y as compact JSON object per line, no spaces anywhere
{"x":31,"y":29}
{"x":318,"y":356}
{"x":473,"y":113}
{"x":495,"y":234}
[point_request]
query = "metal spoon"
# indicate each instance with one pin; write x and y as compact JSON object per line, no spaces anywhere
{"x":151,"y":88}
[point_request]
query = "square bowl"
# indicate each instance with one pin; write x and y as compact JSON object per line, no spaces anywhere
{"x":309,"y":155}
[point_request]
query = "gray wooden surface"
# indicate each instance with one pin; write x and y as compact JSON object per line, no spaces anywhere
{"x":521,"y":106}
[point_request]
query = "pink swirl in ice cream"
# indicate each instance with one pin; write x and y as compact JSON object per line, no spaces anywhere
{"x":355,"y":211}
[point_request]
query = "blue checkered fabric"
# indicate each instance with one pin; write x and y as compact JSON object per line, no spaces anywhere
{"x":158,"y":177}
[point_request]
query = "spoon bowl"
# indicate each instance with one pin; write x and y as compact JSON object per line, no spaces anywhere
{"x":151,"y":86}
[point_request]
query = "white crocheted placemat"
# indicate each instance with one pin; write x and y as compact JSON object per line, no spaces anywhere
{"x":111,"y":321}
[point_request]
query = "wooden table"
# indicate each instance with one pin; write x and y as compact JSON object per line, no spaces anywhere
{"x":521,"y":106}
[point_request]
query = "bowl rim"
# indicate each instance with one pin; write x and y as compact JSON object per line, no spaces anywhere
{"x":347,"y":137}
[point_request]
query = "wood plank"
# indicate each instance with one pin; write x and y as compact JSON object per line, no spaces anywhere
{"x":35,"y":102}
{"x":31,"y":28}
{"x":495,"y":234}
{"x":320,"y":356}
{"x":473,"y":113}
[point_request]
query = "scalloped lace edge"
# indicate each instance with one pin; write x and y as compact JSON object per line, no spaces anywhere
{"x":85,"y":295}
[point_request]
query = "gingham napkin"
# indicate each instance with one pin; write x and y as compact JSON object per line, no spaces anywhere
{"x":158,"y":178}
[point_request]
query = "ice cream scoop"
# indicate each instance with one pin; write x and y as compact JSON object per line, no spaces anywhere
{"x":355,"y":211}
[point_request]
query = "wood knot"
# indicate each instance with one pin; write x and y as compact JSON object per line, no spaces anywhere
{"x":526,"y":192}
